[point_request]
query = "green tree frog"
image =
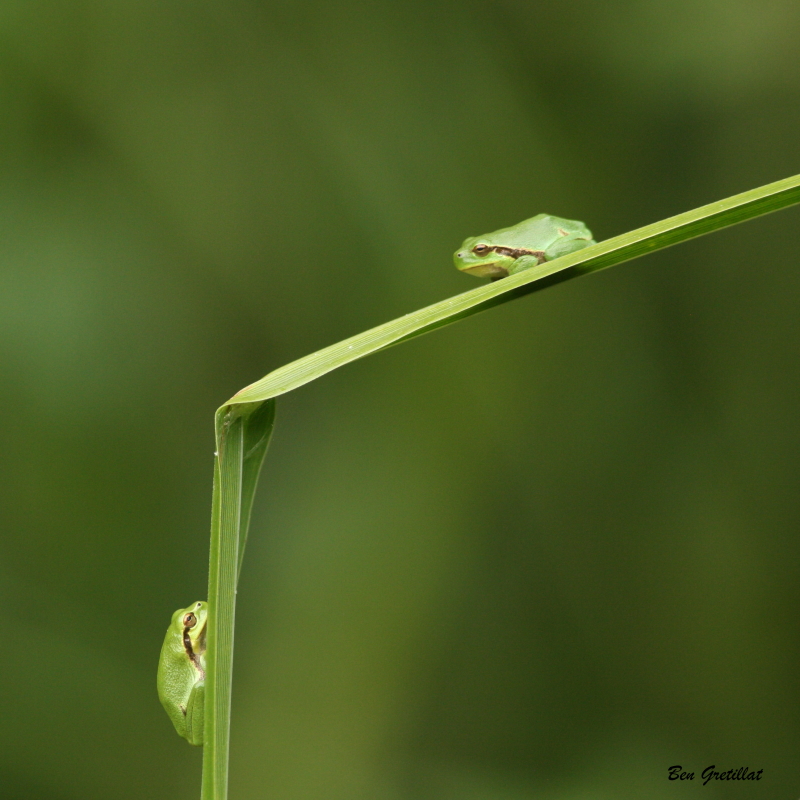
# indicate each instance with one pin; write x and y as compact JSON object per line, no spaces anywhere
{"x":510,"y":250}
{"x":182,"y":671}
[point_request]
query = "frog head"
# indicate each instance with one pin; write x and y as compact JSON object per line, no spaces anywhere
{"x":478,"y":257}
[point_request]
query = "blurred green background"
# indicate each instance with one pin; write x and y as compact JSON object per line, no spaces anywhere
{"x":548,"y":552}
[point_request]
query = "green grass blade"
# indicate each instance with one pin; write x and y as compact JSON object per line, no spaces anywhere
{"x":242,"y":434}
{"x":648,"y":239}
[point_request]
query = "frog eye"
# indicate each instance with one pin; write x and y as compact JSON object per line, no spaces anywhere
{"x":481,"y":249}
{"x":189,"y":620}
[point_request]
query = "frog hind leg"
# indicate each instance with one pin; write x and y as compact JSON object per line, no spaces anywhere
{"x":567,"y":245}
{"x":195,"y":715}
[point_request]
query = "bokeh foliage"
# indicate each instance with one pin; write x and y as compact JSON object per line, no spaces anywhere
{"x":547,"y":552}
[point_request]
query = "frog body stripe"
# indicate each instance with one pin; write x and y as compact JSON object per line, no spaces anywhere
{"x":516,"y":252}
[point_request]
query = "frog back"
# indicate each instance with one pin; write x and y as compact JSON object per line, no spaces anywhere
{"x":539,"y":232}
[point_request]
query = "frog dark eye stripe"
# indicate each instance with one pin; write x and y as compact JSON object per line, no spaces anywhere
{"x":187,"y":643}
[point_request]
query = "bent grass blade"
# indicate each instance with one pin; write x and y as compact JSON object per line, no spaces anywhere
{"x":244,"y":424}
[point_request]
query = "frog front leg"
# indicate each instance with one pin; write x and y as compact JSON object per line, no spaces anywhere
{"x":526,"y":262}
